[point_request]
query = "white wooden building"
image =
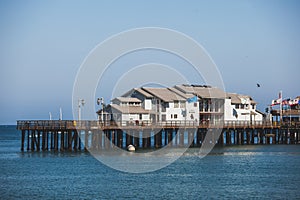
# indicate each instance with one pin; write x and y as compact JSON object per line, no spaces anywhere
{"x":198,"y":104}
{"x":241,"y":108}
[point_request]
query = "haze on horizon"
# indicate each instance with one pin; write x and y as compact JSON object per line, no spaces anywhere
{"x":43,"y":44}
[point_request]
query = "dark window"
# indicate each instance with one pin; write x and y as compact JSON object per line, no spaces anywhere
{"x":176,"y":104}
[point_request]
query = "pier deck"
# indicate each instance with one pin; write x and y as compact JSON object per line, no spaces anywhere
{"x":71,"y":135}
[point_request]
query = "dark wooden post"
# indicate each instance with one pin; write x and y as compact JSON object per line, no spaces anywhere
{"x":286,"y":137}
{"x":51,"y":140}
{"x":155,"y":139}
{"x":238,"y":136}
{"x":136,"y":139}
{"x":181,"y":137}
{"x":106,"y":138}
{"x":243,"y":136}
{"x":112,"y":138}
{"x":75,"y":139}
{"x":221,"y":138}
{"x":160,"y":137}
{"x":62,"y":141}
{"x":228,"y":136}
{"x":248,"y":136}
{"x":47,"y":140}
{"x":32,"y":139}
{"x":56,"y":140}
{"x":252,"y":136}
{"x":119,"y":138}
{"x":43,"y":140}
{"x":190,"y":138}
{"x":100,"y":139}
{"x":166,"y":136}
{"x":23,"y":140}
{"x":79,"y":140}
{"x":28,"y":140}
{"x":128,"y":142}
{"x":86,"y":140}
{"x":198,"y":142}
{"x":262,"y":136}
{"x":38,"y":140}
{"x":69,"y":140}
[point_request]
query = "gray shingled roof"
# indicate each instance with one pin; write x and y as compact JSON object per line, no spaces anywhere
{"x":128,"y":109}
{"x":139,"y":90}
{"x":128,"y":99}
{"x":236,"y":98}
{"x":202,"y":91}
{"x":164,"y":94}
{"x":185,"y":95}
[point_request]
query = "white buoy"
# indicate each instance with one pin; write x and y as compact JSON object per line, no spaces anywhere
{"x":131,"y":148}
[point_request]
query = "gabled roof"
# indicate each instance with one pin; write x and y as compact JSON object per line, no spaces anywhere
{"x":128,"y":109}
{"x":184,"y":95}
{"x":128,"y":99}
{"x":139,"y":90}
{"x":202,"y":91}
{"x":164,"y":94}
{"x":237,"y":98}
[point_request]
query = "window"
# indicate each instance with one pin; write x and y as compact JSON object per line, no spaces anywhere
{"x":163,"y":108}
{"x":205,"y":106}
{"x":242,"y":106}
{"x":141,"y":116}
{"x":175,"y":116}
{"x":237,"y":106}
{"x":253,"y":106}
{"x":171,"y":116}
{"x":182,"y":104}
{"x":195,"y":104}
{"x":201,"y":106}
{"x":176,"y":104}
{"x":163,"y":118}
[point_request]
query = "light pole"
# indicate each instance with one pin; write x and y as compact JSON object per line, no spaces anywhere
{"x":101,"y":101}
{"x":81,"y":102}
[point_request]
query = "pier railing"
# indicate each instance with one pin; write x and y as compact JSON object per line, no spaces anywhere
{"x":94,"y":124}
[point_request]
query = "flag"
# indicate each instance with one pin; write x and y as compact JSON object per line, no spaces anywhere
{"x":277,"y":101}
{"x":234,"y":113}
{"x":286,"y":102}
{"x":293,"y":102}
{"x":193,"y":99}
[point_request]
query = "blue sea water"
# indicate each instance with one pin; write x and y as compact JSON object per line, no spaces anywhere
{"x":232,"y":172}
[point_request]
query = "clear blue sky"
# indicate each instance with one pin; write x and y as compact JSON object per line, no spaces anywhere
{"x":43,"y":44}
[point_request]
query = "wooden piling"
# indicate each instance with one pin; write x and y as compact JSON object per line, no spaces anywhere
{"x":63,"y":135}
{"x":23,"y":140}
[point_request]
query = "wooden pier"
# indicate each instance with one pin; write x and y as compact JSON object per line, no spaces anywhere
{"x":69,"y":135}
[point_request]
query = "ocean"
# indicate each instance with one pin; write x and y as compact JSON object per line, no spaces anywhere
{"x":229,"y":172}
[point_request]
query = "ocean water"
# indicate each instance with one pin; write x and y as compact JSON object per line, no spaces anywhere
{"x":230,"y":172}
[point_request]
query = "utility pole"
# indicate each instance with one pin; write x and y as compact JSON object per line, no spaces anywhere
{"x":81,"y":102}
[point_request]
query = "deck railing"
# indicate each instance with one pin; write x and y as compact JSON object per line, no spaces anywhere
{"x":94,"y":124}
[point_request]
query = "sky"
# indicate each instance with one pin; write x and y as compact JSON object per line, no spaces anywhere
{"x":44,"y":43}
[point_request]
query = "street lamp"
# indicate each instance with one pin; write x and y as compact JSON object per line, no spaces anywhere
{"x":101,"y":101}
{"x":81,"y":102}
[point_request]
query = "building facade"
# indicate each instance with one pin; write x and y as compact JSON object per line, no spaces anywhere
{"x":193,"y":104}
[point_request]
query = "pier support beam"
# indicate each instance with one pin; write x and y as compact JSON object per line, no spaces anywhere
{"x":23,"y":140}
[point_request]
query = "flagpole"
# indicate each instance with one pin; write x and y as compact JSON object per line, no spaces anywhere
{"x":280,"y":106}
